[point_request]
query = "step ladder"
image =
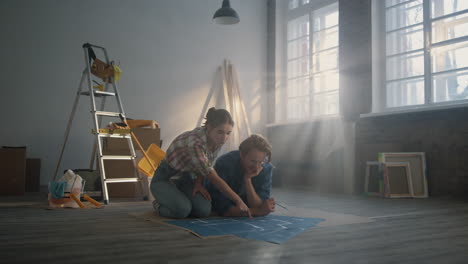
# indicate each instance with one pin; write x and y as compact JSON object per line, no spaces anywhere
{"x":99,"y":133}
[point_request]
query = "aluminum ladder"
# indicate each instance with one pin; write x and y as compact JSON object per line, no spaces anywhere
{"x":99,"y":133}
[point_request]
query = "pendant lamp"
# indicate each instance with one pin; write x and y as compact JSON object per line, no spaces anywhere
{"x":226,"y":15}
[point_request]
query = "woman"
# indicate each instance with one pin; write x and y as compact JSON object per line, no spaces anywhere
{"x":177,"y":184}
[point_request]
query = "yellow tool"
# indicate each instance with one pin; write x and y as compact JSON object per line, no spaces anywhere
{"x":152,"y":157}
{"x":149,"y":165}
{"x":91,"y":200}
{"x":100,"y":87}
{"x":117,"y":73}
{"x":112,"y":131}
{"x":80,"y":204}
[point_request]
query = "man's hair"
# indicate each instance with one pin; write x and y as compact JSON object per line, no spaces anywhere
{"x":256,"y":141}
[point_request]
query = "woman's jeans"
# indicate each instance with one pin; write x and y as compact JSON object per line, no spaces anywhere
{"x":174,"y":198}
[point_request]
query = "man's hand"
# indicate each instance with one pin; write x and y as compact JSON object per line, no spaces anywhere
{"x":268,"y":206}
{"x":198,"y":187}
{"x":252,"y":173}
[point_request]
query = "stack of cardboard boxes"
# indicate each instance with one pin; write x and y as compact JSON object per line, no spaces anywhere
{"x":17,"y":173}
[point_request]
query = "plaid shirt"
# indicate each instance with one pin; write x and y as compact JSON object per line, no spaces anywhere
{"x":189,"y":153}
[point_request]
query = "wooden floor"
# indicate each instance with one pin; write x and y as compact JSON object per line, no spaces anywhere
{"x":431,"y":230}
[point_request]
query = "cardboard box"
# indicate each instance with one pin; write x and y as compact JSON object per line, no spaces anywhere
{"x":146,"y":137}
{"x":12,"y":170}
{"x":33,"y":175}
{"x":125,"y":168}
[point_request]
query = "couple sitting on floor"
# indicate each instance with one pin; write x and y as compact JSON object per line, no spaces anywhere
{"x":186,"y":184}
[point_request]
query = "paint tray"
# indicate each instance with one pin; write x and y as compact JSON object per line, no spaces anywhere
{"x":156,"y":155}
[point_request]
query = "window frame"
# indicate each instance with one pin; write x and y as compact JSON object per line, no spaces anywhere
{"x":429,"y":44}
{"x":301,"y":10}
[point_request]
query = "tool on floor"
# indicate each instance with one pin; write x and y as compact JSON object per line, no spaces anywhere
{"x":106,"y":71}
{"x":91,"y":200}
{"x":77,"y":201}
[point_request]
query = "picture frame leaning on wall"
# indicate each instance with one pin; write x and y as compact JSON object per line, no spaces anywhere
{"x":417,"y":165}
{"x":397,"y":179}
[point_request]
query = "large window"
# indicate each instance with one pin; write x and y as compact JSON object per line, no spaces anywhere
{"x":312,"y":59}
{"x":426,"y":52}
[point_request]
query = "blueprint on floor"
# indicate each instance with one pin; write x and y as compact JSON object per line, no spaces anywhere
{"x":271,"y":228}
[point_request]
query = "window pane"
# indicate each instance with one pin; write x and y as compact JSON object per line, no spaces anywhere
{"x":298,"y":93}
{"x":404,"y":15}
{"x":326,"y":104}
{"x":325,"y":39}
{"x":328,"y":81}
{"x":405,"y":66}
{"x":298,"y":48}
{"x":298,"y":87}
{"x":326,"y":60}
{"x":325,"y":17}
{"x":298,"y":108}
{"x":405,"y":93}
{"x":298,"y":67}
{"x":450,"y":57}
{"x":449,"y":28}
{"x":293,"y":4}
{"x":451,"y":86}
{"x":445,"y":7}
{"x":298,"y":27}
{"x":405,"y":40}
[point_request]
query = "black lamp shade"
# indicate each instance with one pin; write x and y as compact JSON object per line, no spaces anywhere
{"x":226,"y":15}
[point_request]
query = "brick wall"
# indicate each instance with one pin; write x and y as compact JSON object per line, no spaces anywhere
{"x":442,"y":135}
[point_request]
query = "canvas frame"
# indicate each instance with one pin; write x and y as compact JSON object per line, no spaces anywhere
{"x":417,"y":162}
{"x":390,"y":180}
{"x":368,"y":179}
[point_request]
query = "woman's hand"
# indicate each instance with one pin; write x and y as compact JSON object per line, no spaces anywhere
{"x":245,"y":211}
{"x":198,"y":187}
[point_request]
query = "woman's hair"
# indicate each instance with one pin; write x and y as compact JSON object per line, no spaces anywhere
{"x":256,"y":141}
{"x":215,"y":117}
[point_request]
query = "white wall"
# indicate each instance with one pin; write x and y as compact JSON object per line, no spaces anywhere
{"x":168,"y":50}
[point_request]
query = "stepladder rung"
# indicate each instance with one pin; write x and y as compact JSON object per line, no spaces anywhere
{"x":114,"y":131}
{"x":104,"y":113}
{"x":118,"y":133}
{"x":115,"y":135}
{"x":114,"y":180}
{"x":117,"y":157}
{"x":98,"y":93}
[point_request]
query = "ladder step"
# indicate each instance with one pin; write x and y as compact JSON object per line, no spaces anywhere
{"x":114,"y":180}
{"x":103,"y":113}
{"x":104,"y":132}
{"x":98,"y":93}
{"x":117,"y":157}
{"x":114,"y":136}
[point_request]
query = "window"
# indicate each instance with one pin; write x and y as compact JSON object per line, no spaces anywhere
{"x":312,"y":60}
{"x":425,"y":52}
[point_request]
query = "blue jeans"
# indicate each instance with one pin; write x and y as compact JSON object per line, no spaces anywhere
{"x":175,"y":197}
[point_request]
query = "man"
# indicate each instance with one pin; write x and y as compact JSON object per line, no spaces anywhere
{"x":248,"y":172}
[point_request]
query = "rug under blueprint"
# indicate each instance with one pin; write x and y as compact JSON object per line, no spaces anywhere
{"x":272,"y":228}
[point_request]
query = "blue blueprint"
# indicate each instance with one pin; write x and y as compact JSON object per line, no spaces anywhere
{"x":272,"y":228}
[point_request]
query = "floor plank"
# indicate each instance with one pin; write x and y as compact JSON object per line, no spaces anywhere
{"x":433,"y":230}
